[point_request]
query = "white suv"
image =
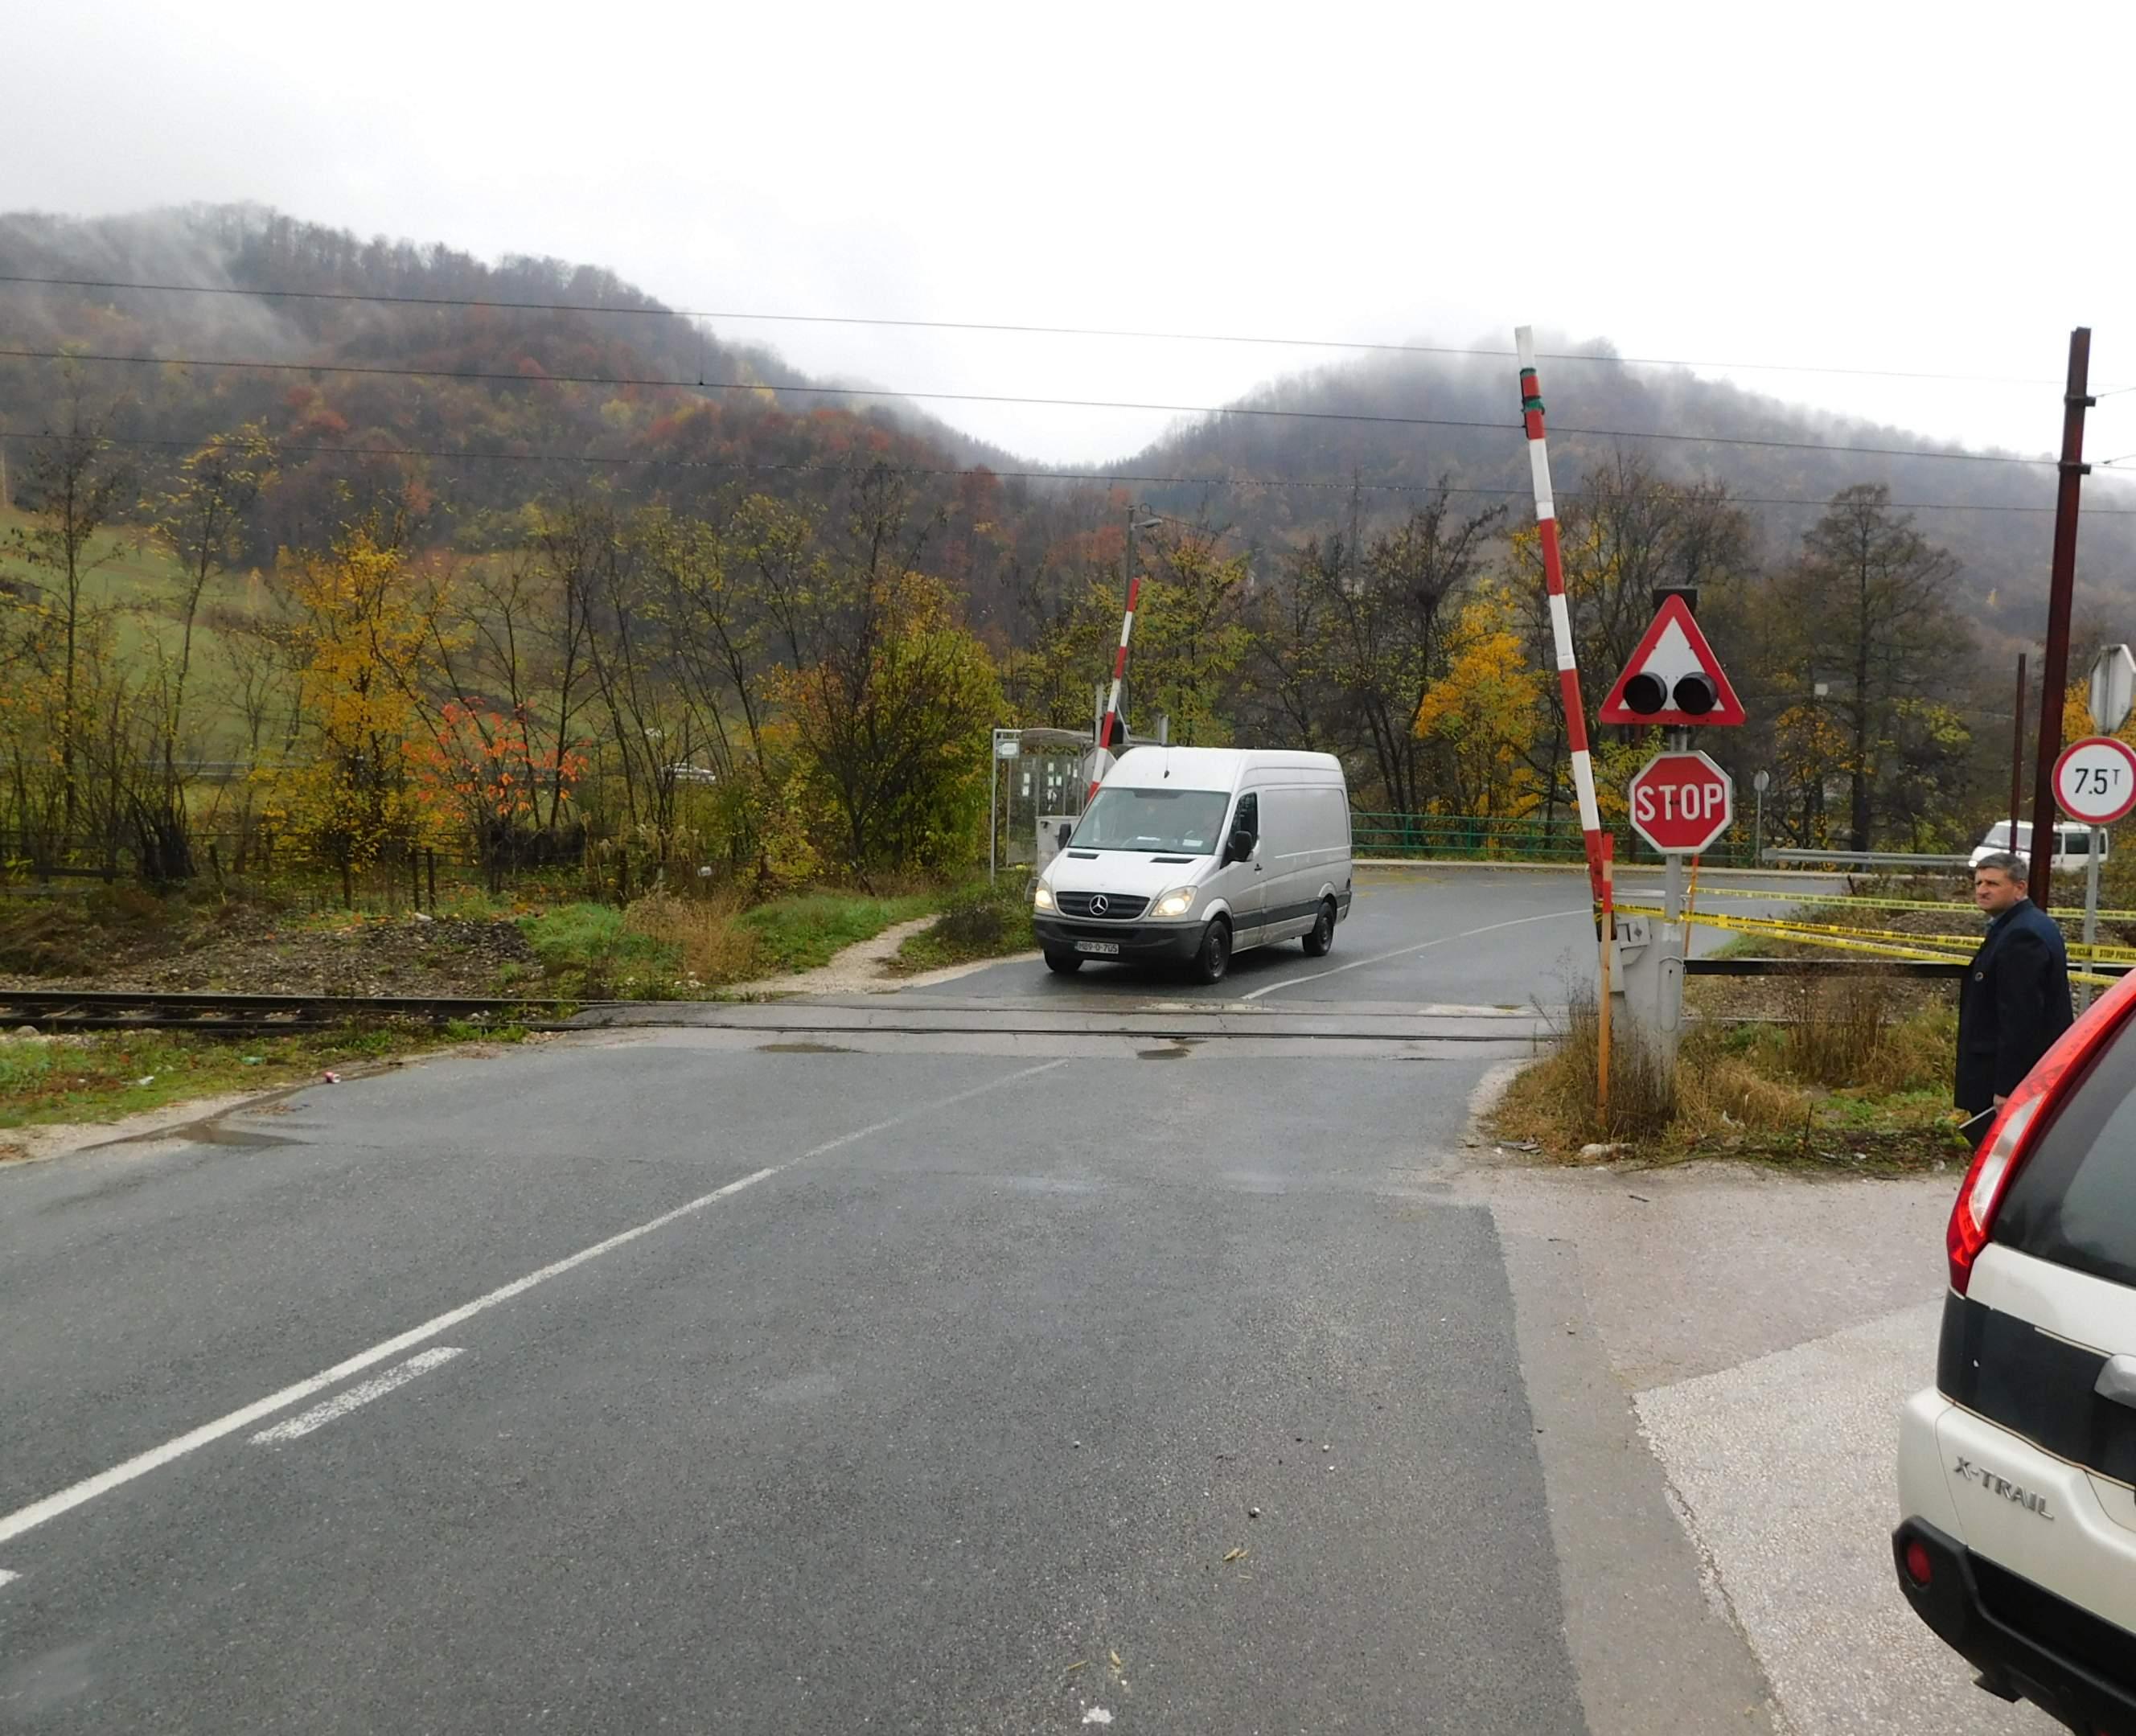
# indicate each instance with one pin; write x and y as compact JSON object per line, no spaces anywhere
{"x":2017,"y":1470}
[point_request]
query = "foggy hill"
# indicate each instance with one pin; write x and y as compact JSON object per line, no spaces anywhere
{"x":534,"y":409}
{"x":2005,"y":553}
{"x":536,"y":414}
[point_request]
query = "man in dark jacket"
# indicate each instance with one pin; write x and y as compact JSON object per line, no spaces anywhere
{"x":2015,"y":1000}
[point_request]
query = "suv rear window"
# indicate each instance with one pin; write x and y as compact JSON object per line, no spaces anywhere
{"x":2074,"y":1201}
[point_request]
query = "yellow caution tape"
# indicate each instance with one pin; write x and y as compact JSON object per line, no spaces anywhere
{"x":1931,"y":948}
{"x":1834,"y":900}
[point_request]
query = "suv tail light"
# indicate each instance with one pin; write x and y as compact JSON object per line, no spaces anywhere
{"x":2016,"y":1130}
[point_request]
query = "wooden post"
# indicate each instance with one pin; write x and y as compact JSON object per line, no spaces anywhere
{"x":2054,"y":669}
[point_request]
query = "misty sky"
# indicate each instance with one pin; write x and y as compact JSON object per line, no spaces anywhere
{"x":1937,"y":187}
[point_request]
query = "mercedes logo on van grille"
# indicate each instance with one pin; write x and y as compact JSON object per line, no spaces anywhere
{"x":1100,"y":905}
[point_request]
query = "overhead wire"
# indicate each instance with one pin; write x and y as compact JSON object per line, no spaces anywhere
{"x":500,"y":376}
{"x":1011,"y":327}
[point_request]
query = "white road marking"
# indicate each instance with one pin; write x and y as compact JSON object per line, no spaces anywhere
{"x":24,"y":1519}
{"x":6,"y":1578}
{"x":363,"y":1393}
{"x":1422,"y":946}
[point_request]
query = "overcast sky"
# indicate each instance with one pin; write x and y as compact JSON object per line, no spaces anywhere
{"x":1936,"y":187}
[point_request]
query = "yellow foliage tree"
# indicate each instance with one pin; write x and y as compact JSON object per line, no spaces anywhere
{"x":1485,"y":714}
{"x":365,"y":621}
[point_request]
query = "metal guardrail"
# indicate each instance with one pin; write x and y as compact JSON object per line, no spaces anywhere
{"x":1870,"y":858}
{"x":1486,"y":838}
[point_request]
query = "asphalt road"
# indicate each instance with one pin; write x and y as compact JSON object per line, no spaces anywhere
{"x":710,"y":1380}
{"x":1460,"y":936}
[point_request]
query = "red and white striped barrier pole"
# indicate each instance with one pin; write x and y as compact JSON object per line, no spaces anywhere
{"x":1120,"y":665}
{"x":1560,"y":616}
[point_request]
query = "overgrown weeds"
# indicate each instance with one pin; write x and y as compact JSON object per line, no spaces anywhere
{"x":986,"y":921}
{"x":708,"y":939}
{"x":1842,"y":1084}
{"x":1837,"y":1029}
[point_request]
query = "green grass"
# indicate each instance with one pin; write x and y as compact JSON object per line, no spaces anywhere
{"x":597,"y":951}
{"x":103,"y":1075}
{"x":978,"y":922}
{"x":588,"y":953}
{"x":803,"y":933}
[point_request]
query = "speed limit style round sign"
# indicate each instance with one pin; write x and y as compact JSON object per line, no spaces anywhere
{"x":2095,"y":780}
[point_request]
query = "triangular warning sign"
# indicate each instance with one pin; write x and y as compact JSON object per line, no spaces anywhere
{"x":1664,"y":677}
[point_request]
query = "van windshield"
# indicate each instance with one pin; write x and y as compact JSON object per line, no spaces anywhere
{"x":1167,"y":821}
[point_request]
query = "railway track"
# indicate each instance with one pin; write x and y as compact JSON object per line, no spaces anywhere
{"x":69,"y":1009}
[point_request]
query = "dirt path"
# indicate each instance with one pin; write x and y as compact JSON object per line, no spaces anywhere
{"x":863,"y":968}
{"x":855,"y":971}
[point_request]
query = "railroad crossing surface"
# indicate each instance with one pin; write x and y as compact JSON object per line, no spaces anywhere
{"x":1008,"y":1355}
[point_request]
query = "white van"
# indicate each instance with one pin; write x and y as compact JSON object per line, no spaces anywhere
{"x":1190,"y":854}
{"x":2072,"y":843}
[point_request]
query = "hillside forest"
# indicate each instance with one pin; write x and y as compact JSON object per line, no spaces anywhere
{"x":388,"y":559}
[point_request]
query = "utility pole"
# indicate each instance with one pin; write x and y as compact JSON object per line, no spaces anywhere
{"x":2054,"y":670}
{"x":2018,"y":752}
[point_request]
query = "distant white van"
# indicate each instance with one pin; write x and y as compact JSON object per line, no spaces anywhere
{"x":2072,"y":843}
{"x":1192,"y":855}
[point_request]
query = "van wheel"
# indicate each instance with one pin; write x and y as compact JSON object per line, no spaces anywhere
{"x":1215,"y":957}
{"x":1063,"y":964}
{"x":1321,"y":936}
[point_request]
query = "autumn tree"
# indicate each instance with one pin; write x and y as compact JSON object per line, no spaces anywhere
{"x":1868,"y":605}
{"x":1190,"y":637}
{"x":202,"y":521}
{"x":1484,"y":714}
{"x":484,"y":770}
{"x":654,"y":733}
{"x":890,"y":695}
{"x":73,"y":490}
{"x":363,"y":620}
{"x":1383,"y":606}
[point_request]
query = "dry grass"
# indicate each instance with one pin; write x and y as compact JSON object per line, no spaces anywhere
{"x":1837,"y":1029}
{"x":1553,"y":1103}
{"x":706,"y":935}
{"x":1845,"y":1085}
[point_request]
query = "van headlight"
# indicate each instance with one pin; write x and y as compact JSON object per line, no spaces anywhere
{"x":1042,"y":899}
{"x":1175,"y":903}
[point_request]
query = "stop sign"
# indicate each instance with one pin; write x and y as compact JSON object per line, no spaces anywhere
{"x":1681,"y":803}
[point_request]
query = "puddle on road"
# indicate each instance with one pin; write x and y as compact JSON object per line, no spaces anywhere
{"x":1176,"y":1052}
{"x":220,"y":1131}
{"x":803,"y":1049}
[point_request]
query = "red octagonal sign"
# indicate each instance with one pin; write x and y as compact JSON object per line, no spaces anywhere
{"x":1681,"y":803}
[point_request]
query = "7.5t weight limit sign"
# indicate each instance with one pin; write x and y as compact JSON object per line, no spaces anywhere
{"x":1681,"y":803}
{"x":2095,"y":780}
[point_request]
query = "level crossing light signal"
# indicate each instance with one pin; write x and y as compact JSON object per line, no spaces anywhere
{"x":1694,"y":694}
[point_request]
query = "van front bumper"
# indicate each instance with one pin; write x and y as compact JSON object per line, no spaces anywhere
{"x":1139,"y":943}
{"x":2023,"y":1639}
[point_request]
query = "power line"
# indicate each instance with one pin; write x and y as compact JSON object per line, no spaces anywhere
{"x":1013,"y":329}
{"x":373,"y":369}
{"x":744,"y":467}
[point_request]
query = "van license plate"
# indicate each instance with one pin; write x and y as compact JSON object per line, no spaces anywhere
{"x":1103,"y":949}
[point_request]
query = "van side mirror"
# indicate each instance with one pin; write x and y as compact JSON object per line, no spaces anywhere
{"x":1064,"y":834}
{"x":1241,"y":848}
